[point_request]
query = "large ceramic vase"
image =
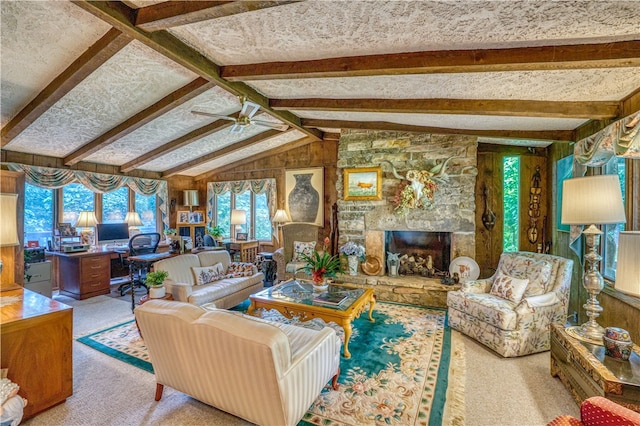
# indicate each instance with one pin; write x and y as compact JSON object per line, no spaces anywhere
{"x":303,"y":200}
{"x":353,"y":264}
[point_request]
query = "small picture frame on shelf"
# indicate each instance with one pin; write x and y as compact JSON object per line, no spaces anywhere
{"x":196,"y":217}
{"x":183,"y":216}
{"x":242,"y":236}
{"x":66,"y":230}
{"x":32,"y":244}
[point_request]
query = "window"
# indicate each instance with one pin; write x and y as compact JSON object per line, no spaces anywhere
{"x":609,"y":242}
{"x":511,"y":203}
{"x":145,"y":205}
{"x":115,"y":205}
{"x":75,"y":198}
{"x":258,"y":223}
{"x":38,"y":214}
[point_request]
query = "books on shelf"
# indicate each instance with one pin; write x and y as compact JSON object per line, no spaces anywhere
{"x":329,"y":299}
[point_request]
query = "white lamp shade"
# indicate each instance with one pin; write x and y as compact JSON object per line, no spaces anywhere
{"x":8,"y":219}
{"x":191,"y":197}
{"x":86,"y":220}
{"x":133,"y":219}
{"x":238,"y":217}
{"x":628,"y":268}
{"x":592,"y":200}
{"x":281,"y":216}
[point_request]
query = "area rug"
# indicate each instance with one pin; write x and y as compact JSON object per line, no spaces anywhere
{"x":405,"y":369}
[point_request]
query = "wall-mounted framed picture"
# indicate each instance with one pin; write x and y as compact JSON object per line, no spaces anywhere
{"x":564,"y":171}
{"x":304,"y":195}
{"x":196,"y":217}
{"x":183,"y":216}
{"x":363,"y":183}
{"x":242,"y":236}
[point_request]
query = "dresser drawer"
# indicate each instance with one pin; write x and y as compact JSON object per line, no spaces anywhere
{"x":95,"y":264}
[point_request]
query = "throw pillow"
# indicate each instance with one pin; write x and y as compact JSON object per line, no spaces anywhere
{"x":208,"y":274}
{"x":239,"y":269}
{"x":509,"y":288}
{"x":300,"y":248}
{"x":537,"y":271}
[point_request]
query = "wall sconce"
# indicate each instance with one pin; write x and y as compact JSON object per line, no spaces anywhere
{"x":9,"y":221}
{"x":628,"y":268}
{"x":238,"y":217}
{"x":133,"y":220}
{"x":88,"y":221}
{"x":191,"y":199}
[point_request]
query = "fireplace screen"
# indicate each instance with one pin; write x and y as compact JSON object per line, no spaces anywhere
{"x":421,"y":253}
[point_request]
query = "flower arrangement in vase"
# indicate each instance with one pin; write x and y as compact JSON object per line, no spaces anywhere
{"x":321,"y":266}
{"x":354,"y":252}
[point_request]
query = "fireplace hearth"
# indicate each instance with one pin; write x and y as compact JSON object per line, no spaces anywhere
{"x":421,"y":253}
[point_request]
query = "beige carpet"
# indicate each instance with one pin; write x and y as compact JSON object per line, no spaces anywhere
{"x":109,"y":392}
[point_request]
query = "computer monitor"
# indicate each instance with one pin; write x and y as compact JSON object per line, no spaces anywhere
{"x":112,"y":233}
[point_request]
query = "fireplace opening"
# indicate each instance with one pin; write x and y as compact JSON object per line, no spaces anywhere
{"x":414,"y":249}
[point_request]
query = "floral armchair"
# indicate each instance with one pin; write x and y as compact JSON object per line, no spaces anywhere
{"x":512,"y":311}
{"x":297,"y":238}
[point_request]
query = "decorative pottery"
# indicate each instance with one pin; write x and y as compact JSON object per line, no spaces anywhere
{"x":372,"y":266}
{"x":353,"y":265}
{"x":617,"y":343}
{"x":303,"y":200}
{"x":157,"y":292}
{"x":320,"y":288}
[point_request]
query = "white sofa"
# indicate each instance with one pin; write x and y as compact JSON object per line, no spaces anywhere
{"x":224,"y":293}
{"x":263,"y":372}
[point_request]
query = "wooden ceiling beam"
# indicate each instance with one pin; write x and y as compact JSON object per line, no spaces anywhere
{"x":553,"y":135}
{"x":629,"y":105}
{"x":254,"y":140}
{"x":540,"y":58}
{"x":169,"y":102}
{"x":274,"y":151}
{"x":96,"y":55}
{"x":180,"y":142}
{"x":510,"y":108}
{"x":120,"y":16}
{"x":170,"y":14}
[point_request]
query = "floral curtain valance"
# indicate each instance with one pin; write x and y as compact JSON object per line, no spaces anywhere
{"x":258,"y":186}
{"x":51,"y":178}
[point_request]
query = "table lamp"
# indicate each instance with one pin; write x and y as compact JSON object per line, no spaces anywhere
{"x":87,"y":220}
{"x":9,"y":221}
{"x":628,"y":268}
{"x":190,"y":197}
{"x":133,"y":220}
{"x":589,"y":201}
{"x":238,"y":217}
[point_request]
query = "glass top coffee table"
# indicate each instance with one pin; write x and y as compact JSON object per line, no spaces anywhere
{"x":341,"y":303}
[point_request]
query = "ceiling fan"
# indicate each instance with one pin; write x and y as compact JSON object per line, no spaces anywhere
{"x":245,"y":118}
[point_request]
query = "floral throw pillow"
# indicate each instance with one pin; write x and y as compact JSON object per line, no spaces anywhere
{"x":509,"y":288}
{"x":300,"y":248}
{"x":538,"y":272}
{"x":239,"y":269}
{"x":208,"y":274}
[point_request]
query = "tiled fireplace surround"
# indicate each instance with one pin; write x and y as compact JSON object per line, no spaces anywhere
{"x":366,"y":221}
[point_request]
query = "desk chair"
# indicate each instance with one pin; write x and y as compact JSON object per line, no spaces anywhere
{"x":139,"y":244}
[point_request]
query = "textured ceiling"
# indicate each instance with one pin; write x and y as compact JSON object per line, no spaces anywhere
{"x":133,"y":110}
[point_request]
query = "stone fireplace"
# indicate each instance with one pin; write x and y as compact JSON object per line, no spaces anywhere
{"x":371,"y":223}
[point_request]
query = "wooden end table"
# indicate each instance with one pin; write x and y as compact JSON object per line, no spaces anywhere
{"x":302,"y":307}
{"x":586,"y":371}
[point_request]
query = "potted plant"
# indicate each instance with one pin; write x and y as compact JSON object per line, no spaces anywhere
{"x":321,"y":266}
{"x":354,"y":253}
{"x":155,"y":283}
{"x":216,"y":232}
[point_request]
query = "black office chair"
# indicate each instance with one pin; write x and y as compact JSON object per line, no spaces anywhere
{"x":209,"y":241}
{"x":139,"y":244}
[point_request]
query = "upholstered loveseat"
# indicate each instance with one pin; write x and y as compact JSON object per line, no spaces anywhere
{"x":266,"y":373}
{"x":210,"y":277}
{"x":512,"y":311}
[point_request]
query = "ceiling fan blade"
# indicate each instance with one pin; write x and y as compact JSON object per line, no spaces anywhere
{"x":236,"y":128}
{"x":249,"y":109}
{"x":277,"y":126}
{"x":218,"y":116}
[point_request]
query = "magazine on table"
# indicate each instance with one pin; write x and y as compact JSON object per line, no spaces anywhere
{"x":330,"y":299}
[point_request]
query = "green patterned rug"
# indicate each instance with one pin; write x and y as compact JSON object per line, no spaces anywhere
{"x":404,"y":369}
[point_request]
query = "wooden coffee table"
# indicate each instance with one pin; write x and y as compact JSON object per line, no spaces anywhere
{"x":294,"y":298}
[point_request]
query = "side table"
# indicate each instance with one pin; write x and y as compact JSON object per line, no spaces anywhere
{"x":586,"y":371}
{"x":268,"y":268}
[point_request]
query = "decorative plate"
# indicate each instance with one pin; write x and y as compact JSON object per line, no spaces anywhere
{"x":372,"y":266}
{"x":466,"y":267}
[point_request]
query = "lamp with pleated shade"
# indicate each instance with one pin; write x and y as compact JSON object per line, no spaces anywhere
{"x":133,"y":220}
{"x":9,"y":222}
{"x":628,"y":268}
{"x":88,"y":221}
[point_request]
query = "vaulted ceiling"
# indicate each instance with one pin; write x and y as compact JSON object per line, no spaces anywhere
{"x":115,"y":83}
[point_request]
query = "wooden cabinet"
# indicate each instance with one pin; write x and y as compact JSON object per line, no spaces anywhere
{"x":191,"y":230}
{"x":38,"y":278}
{"x":84,"y":275}
{"x":36,"y":344}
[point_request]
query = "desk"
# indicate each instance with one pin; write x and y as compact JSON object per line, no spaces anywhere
{"x":247,"y":249}
{"x":84,"y":274}
{"x":139,"y":263}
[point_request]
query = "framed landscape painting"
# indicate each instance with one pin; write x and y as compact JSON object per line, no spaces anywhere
{"x":363,"y":183}
{"x":304,"y":195}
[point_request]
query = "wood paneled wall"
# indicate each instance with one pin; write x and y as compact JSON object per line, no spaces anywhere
{"x":489,"y":243}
